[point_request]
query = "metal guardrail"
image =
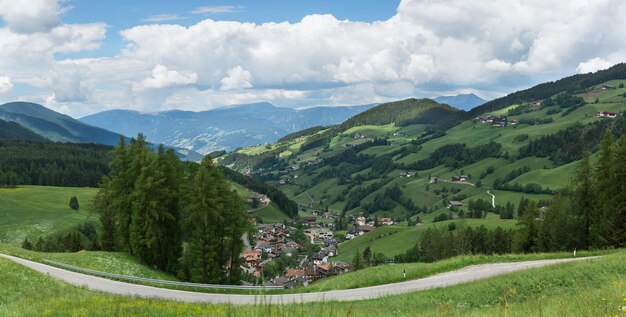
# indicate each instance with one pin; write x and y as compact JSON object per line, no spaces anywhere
{"x":156,"y":281}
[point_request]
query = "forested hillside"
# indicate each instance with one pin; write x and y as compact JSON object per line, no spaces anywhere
{"x":13,"y":131}
{"x":52,"y":164}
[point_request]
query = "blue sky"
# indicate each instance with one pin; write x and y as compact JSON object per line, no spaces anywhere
{"x":120,"y":15}
{"x":80,"y":57}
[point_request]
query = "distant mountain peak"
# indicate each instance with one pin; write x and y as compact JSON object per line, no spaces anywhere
{"x":461,"y":101}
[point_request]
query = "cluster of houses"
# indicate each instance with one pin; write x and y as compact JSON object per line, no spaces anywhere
{"x":262,"y":199}
{"x":360,"y":136}
{"x":496,"y":121}
{"x":606,"y":115}
{"x":363,"y":226}
{"x":454,"y":179}
{"x":273,"y":241}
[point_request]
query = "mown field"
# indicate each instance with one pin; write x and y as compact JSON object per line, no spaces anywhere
{"x":585,"y":288}
{"x":34,"y":211}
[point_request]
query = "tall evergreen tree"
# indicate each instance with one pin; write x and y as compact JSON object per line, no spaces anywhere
{"x":604,"y":191}
{"x":201,"y":222}
{"x":584,"y":199}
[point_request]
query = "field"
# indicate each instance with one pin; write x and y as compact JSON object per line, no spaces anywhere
{"x":270,"y":214}
{"x":34,"y":211}
{"x":587,"y":288}
{"x":110,"y":262}
{"x":397,"y":239}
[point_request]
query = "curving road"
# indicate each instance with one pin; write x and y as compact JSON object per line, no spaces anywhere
{"x":467,"y":274}
{"x":493,"y":199}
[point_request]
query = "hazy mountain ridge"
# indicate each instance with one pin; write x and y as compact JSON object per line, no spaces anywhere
{"x":461,"y":101}
{"x":54,"y":126}
{"x":223,"y":128}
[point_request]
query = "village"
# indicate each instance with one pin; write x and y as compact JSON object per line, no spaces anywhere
{"x":298,"y":253}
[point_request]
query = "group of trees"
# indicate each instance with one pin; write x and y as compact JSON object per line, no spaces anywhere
{"x":441,"y":242}
{"x":589,"y":214}
{"x":52,"y":164}
{"x":180,"y":218}
{"x":455,"y":155}
{"x":568,"y":145}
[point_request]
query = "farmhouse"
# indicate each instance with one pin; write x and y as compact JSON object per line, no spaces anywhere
{"x":454,"y":203}
{"x":353,"y":233}
{"x":367,"y":229}
{"x":386,"y":221}
{"x":251,"y":257}
{"x":460,"y":178}
{"x":604,"y":114}
{"x":311,"y":221}
{"x":360,"y":221}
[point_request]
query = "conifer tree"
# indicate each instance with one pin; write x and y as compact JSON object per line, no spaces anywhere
{"x":604,"y":191}
{"x":584,"y":199}
{"x":74,"y":203}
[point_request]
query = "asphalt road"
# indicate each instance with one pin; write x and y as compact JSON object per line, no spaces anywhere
{"x":467,"y":274}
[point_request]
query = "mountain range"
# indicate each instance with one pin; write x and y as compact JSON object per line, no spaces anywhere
{"x":31,"y":121}
{"x":220,"y":129}
{"x":234,"y":126}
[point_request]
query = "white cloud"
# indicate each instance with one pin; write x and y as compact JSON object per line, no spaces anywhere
{"x":5,"y":84}
{"x":592,"y":65}
{"x":237,"y":78}
{"x":29,"y":16}
{"x":164,"y":78}
{"x":216,"y":9}
{"x":427,"y":48}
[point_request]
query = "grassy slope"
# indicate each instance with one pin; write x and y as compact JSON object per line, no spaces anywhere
{"x":110,"y":262}
{"x":397,"y":239}
{"x":270,"y":214}
{"x":33,"y":211}
{"x":587,"y":288}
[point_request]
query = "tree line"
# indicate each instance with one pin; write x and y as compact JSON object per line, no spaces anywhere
{"x":178,"y":217}
{"x":591,"y":213}
{"x":52,"y":164}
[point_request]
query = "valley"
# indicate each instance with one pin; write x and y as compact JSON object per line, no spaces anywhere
{"x":408,"y":186}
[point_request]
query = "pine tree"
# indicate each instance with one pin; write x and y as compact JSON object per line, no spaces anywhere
{"x":584,"y":199}
{"x":617,"y":214}
{"x":74,"y":203}
{"x":201,"y":222}
{"x":604,"y":191}
{"x":357,"y":261}
{"x":367,"y":256}
{"x":101,"y":205}
{"x":526,"y":236}
{"x":26,"y":244}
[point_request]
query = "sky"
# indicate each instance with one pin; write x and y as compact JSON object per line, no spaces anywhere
{"x":80,"y":57}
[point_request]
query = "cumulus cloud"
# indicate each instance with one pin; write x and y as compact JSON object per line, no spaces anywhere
{"x":29,"y":16}
{"x":237,"y":78}
{"x":165,"y":78}
{"x":592,"y":65}
{"x":5,"y":84}
{"x":427,"y":48}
